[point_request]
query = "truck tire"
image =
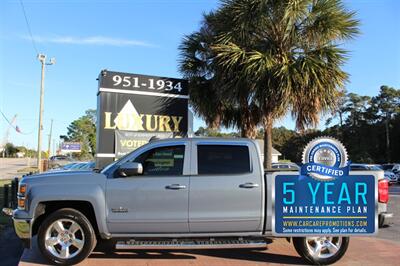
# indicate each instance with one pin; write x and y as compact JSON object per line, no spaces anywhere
{"x":321,"y":250}
{"x":381,"y":220}
{"x":66,"y":237}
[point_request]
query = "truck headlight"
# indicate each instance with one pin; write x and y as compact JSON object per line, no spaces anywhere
{"x":21,"y":197}
{"x":22,"y":190}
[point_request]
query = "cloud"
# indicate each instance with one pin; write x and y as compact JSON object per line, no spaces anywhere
{"x":90,"y":40}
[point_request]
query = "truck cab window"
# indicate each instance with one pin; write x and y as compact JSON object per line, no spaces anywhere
{"x":162,"y":161}
{"x":223,"y":159}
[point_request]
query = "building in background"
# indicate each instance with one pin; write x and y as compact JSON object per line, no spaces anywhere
{"x":275,"y":153}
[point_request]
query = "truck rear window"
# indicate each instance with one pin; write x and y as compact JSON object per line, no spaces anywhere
{"x":222,"y":159}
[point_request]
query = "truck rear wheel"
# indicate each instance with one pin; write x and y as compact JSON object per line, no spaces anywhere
{"x":66,"y":237}
{"x":321,"y":250}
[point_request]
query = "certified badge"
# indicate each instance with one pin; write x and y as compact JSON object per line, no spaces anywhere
{"x":325,"y":159}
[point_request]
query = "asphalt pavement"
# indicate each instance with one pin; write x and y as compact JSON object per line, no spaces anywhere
{"x":9,"y":166}
{"x":392,"y":231}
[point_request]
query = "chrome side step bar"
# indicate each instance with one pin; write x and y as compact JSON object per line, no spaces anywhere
{"x":192,"y":244}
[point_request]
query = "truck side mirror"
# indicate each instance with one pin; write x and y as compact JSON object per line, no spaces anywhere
{"x":130,"y":169}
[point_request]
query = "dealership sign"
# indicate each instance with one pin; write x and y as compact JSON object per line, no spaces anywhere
{"x":133,"y":108}
{"x":324,"y":198}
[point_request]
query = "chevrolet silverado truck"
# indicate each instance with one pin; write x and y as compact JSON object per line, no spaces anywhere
{"x":168,"y":194}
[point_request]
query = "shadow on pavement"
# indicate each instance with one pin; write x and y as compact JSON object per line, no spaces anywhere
{"x":10,"y":247}
{"x":252,"y":255}
{"x":246,"y":255}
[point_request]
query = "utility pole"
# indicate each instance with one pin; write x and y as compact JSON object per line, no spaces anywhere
{"x":54,"y":147}
{"x":42,"y":59}
{"x":49,"y":146}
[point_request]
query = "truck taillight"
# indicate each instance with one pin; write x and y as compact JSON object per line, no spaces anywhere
{"x":383,"y":191}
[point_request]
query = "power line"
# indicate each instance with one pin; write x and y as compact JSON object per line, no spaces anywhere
{"x":16,"y":128}
{"x":29,"y":27}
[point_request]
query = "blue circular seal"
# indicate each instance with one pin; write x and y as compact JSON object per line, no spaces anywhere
{"x":324,"y":158}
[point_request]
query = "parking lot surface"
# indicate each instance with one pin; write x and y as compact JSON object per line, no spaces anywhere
{"x":362,"y":251}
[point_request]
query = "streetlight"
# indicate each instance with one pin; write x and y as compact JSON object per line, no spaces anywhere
{"x":42,"y":59}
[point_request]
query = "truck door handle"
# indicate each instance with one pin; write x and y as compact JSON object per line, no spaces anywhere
{"x":248,"y":185}
{"x":175,"y":186}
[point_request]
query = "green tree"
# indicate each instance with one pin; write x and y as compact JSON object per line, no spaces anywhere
{"x":385,"y":106}
{"x":10,"y":150}
{"x":83,"y":130}
{"x":357,"y":106}
{"x":279,"y":55}
{"x":212,"y":132}
{"x":339,"y":110}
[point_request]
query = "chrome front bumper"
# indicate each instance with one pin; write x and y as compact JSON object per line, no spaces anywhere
{"x":22,"y":227}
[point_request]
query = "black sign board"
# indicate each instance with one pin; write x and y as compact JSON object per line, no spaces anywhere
{"x":138,"y":103}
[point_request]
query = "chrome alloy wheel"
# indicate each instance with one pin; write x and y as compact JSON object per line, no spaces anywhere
{"x":64,"y":239}
{"x":323,"y":247}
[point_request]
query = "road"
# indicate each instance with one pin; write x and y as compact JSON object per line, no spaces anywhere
{"x":10,"y":166}
{"x":395,"y":190}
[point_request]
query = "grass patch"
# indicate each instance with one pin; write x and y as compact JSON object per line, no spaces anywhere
{"x":5,"y":182}
{"x":27,"y":170}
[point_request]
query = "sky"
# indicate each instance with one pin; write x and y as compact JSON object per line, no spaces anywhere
{"x":140,"y":37}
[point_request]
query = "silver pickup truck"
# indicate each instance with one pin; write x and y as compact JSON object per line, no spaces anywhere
{"x":169,"y":194}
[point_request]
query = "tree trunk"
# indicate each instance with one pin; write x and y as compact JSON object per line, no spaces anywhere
{"x":387,"y":141}
{"x":267,"y":121}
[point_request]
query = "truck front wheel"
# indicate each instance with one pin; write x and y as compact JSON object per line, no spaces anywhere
{"x":321,"y":250}
{"x":66,"y":237}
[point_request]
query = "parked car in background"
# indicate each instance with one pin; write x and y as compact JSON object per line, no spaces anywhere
{"x":389,"y":176}
{"x":79,"y":166}
{"x":383,"y":214}
{"x":69,"y":166}
{"x":394,"y":168}
{"x":84,"y":166}
{"x":285,"y":166}
{"x":58,"y":161}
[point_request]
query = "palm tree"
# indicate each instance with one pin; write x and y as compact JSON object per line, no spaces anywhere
{"x":218,"y":97}
{"x":279,"y":55}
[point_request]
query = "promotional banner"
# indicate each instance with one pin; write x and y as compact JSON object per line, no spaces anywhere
{"x":323,"y":198}
{"x":137,"y":103}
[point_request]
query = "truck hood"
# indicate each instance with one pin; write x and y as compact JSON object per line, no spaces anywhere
{"x":58,"y":173}
{"x":64,"y":177}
